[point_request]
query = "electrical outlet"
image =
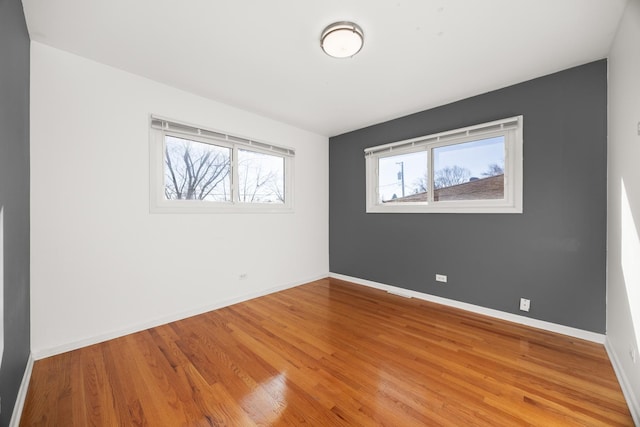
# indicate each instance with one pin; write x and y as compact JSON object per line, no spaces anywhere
{"x":441,"y":278}
{"x":243,"y":276}
{"x":632,"y":353}
{"x":525,"y":304}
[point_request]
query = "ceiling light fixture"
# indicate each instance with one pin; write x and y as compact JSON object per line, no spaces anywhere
{"x":342,"y":39}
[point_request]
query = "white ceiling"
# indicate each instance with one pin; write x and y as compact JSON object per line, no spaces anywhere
{"x":264,"y":56}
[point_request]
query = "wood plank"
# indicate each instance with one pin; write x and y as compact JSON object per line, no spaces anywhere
{"x":330,"y":353}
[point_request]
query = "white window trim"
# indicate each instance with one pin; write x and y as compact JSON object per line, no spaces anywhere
{"x":160,"y":127}
{"x":511,"y":128}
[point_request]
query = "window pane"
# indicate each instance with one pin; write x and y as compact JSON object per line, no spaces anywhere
{"x":196,"y":171}
{"x":261,"y":177}
{"x":469,"y":171}
{"x":403,"y":178}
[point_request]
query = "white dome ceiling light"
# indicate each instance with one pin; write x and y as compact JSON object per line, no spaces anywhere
{"x":342,"y":39}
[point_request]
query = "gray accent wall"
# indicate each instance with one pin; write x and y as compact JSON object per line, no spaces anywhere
{"x":553,"y":253}
{"x":14,"y":197}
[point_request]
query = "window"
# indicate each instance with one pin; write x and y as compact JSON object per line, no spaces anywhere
{"x":261,"y":177}
{"x":199,"y":170}
{"x":477,"y":169}
{"x":196,"y":170}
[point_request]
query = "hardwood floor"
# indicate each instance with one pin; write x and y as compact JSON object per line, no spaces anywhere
{"x":330,"y":353}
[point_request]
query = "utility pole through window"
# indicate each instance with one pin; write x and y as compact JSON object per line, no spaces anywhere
{"x":401,"y":175}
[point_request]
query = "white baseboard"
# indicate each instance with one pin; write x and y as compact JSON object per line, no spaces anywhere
{"x":22,"y":394}
{"x":632,"y":401}
{"x":527,"y":321}
{"x":52,"y":351}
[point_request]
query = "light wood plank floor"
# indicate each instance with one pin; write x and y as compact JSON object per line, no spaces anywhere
{"x":330,"y":353}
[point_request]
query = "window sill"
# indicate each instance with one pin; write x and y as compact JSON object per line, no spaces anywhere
{"x":185,"y":207}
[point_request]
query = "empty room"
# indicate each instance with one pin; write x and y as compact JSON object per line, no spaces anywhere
{"x":339,"y":213}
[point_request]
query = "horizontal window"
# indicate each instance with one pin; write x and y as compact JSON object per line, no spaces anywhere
{"x":199,"y":170}
{"x":473,"y":169}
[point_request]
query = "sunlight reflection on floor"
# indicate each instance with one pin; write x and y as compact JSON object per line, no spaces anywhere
{"x":272,"y":408}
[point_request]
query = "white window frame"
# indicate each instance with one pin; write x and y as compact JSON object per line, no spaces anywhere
{"x":510,"y":128}
{"x":161,"y":127}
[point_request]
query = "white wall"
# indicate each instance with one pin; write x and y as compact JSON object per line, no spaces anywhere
{"x":101,"y":264}
{"x":623,"y":291}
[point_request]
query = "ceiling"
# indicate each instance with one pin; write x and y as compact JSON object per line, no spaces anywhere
{"x":265,"y":56}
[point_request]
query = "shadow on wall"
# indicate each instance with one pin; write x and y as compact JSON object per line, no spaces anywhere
{"x":1,"y":283}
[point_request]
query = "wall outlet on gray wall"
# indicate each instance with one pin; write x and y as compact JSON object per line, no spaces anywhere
{"x":441,"y":278}
{"x":525,"y":304}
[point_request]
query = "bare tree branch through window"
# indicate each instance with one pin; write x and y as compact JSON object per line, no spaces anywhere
{"x":196,"y":171}
{"x":261,"y":177}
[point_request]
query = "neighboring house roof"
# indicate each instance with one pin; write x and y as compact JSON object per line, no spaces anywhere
{"x":479,"y":189}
